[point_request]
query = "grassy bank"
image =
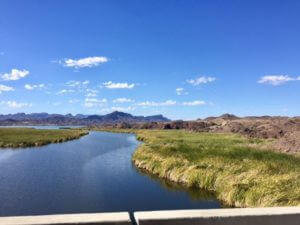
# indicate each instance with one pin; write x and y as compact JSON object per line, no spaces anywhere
{"x":28,"y":137}
{"x":234,"y":167}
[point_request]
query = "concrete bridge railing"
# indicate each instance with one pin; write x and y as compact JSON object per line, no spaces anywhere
{"x":120,"y":218}
{"x":246,"y":216}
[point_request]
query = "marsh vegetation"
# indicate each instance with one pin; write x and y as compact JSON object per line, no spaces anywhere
{"x":240,"y":170}
{"x":29,"y":137}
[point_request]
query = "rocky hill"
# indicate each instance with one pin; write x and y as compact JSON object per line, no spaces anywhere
{"x":79,"y":119}
{"x":284,"y":132}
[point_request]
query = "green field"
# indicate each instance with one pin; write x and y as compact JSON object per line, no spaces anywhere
{"x":236,"y":168}
{"x":28,"y":137}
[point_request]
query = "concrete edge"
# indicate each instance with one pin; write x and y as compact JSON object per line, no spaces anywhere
{"x":223,"y":215}
{"x":236,"y":216}
{"x":82,"y":218}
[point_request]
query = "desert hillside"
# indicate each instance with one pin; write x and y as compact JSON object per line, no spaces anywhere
{"x":285,"y":131}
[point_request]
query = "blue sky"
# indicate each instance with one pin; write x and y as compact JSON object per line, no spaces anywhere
{"x":184,"y":59}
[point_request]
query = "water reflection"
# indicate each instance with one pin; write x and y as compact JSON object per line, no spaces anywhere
{"x":195,"y":194}
{"x":90,"y":174}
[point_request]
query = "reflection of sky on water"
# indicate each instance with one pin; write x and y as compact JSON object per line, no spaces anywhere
{"x":91,"y":174}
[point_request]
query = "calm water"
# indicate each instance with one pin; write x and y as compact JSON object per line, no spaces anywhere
{"x":92,"y":174}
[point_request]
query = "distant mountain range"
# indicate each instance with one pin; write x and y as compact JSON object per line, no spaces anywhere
{"x":78,"y":119}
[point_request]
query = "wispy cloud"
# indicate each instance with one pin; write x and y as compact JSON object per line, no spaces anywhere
{"x":91,"y":93}
{"x":77,"y":84}
{"x":276,"y":80}
{"x":72,"y":101}
{"x":201,"y":80}
{"x":123,"y":109}
{"x":194,"y":103}
{"x":151,"y":103}
{"x":171,"y":103}
{"x":64,"y":91}
{"x":112,"y":85}
{"x":122,"y":100}
{"x":180,"y":91}
{"x":84,"y":62}
{"x":34,"y":86}
{"x":5,"y":88}
{"x":14,"y":104}
{"x":94,"y":102}
{"x":15,"y":74}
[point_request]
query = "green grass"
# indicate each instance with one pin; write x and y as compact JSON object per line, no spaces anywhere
{"x":28,"y":137}
{"x":236,"y":168}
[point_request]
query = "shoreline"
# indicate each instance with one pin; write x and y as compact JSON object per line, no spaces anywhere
{"x":29,"y":137}
{"x":255,"y":177}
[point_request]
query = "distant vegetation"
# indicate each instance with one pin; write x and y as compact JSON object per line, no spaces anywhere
{"x":28,"y":137}
{"x":284,"y":130}
{"x":234,"y":167}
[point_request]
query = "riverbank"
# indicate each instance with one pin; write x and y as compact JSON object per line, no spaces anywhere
{"x":238,"y":169}
{"x":285,"y":131}
{"x":29,"y":137}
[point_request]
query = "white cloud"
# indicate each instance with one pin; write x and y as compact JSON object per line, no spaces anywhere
{"x":91,"y":93}
{"x":86,"y":82}
{"x":123,"y":109}
{"x":34,"y":86}
{"x":5,"y":88}
{"x":14,"y":104}
{"x":84,"y":62}
{"x":73,"y":83}
{"x":112,"y":85}
{"x":72,"y":101}
{"x":122,"y":100}
{"x":90,"y":104}
{"x":180,"y":91}
{"x":77,"y":84}
{"x":201,"y":80}
{"x":276,"y":80}
{"x":64,"y":91}
{"x":194,"y":103}
{"x":15,"y":74}
{"x":94,"y":102}
{"x":151,"y":103}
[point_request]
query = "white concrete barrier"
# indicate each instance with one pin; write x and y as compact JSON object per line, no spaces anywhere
{"x":245,"y":216}
{"x":121,"y":218}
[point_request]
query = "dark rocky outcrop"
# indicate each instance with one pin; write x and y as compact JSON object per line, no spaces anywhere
{"x":79,"y":119}
{"x":284,"y":130}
